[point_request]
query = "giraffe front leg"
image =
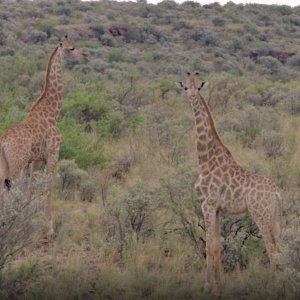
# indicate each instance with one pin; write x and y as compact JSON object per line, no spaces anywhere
{"x":51,"y":163}
{"x":52,"y":158}
{"x":34,"y":168}
{"x":217,"y":249}
{"x":213,"y":251}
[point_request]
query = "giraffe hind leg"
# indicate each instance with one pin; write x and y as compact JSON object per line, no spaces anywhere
{"x":266,"y":228}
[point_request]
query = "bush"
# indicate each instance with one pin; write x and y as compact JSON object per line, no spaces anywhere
{"x":19,"y":217}
{"x":292,"y":19}
{"x":132,"y":212}
{"x":85,"y":148}
{"x":211,"y":40}
{"x":164,"y":87}
{"x":237,"y":45}
{"x":290,"y":258}
{"x":98,"y":31}
{"x":107,"y":40}
{"x":87,"y":190}
{"x":37,"y":37}
{"x":248,"y":124}
{"x":294,"y":61}
{"x":70,"y":178}
{"x":272,"y":143}
{"x":290,"y":102}
{"x":116,"y":56}
{"x":134,"y":34}
{"x":270,"y":65}
{"x":217,"y":21}
{"x":46,"y":27}
{"x":178,"y":193}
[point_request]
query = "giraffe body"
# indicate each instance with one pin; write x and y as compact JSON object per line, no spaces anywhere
{"x":37,"y":139}
{"x":223,"y":186}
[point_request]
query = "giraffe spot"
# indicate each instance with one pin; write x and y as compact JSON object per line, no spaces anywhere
{"x":216,"y":180}
{"x":197,"y":113}
{"x":203,"y":157}
{"x":222,"y":189}
{"x":226,"y":179}
{"x":199,"y":129}
{"x":220,"y":159}
{"x":218,"y":173}
{"x":237,"y":193}
{"x":228,"y":194}
{"x":210,"y":145}
{"x":202,"y":137}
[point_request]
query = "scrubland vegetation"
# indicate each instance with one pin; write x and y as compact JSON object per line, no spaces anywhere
{"x":128,"y":224}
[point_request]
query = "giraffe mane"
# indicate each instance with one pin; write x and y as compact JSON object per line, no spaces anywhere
{"x":213,"y":126}
{"x":45,"y":80}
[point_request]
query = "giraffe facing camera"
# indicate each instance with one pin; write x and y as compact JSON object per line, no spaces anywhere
{"x":224,"y":186}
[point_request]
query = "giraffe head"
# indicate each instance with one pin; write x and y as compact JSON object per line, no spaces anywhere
{"x":193,"y":85}
{"x":68,"y":50}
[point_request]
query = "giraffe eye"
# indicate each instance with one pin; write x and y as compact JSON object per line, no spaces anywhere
{"x":199,"y":88}
{"x":72,"y":49}
{"x":185,"y":88}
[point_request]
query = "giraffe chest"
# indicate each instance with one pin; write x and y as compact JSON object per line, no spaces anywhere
{"x":222,"y":191}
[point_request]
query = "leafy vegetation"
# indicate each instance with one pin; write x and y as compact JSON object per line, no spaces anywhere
{"x":127,"y":219}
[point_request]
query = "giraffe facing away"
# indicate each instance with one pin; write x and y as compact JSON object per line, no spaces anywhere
{"x":224,"y":186}
{"x":37,"y":139}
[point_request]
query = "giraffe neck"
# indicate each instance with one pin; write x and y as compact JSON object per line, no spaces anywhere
{"x":209,"y":144}
{"x":48,"y":105}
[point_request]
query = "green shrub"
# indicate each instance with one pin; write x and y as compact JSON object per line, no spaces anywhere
{"x":132,"y":213}
{"x":107,"y":40}
{"x":85,"y":148}
{"x":46,"y":27}
{"x":270,"y":65}
{"x":116,"y":56}
{"x":38,"y":37}
{"x":272,"y":143}
{"x":294,"y":61}
{"x":70,"y":178}
{"x":211,"y":40}
{"x":164,"y":87}
{"x":237,"y":45}
{"x":290,"y":102}
{"x":98,"y":30}
{"x":292,"y":19}
{"x":248,"y":124}
{"x":218,"y":21}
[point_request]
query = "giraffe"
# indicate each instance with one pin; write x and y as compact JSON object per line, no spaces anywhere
{"x":37,"y":139}
{"x":224,"y":186}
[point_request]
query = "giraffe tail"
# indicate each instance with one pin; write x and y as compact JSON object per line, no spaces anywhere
{"x":4,"y":170}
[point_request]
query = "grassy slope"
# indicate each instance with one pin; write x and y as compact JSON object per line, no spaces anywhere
{"x":81,"y":262}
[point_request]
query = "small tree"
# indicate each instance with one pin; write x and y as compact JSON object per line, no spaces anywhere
{"x":18,"y":217}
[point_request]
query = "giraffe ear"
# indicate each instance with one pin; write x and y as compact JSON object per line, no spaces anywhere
{"x":204,"y":84}
{"x":179,"y":85}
